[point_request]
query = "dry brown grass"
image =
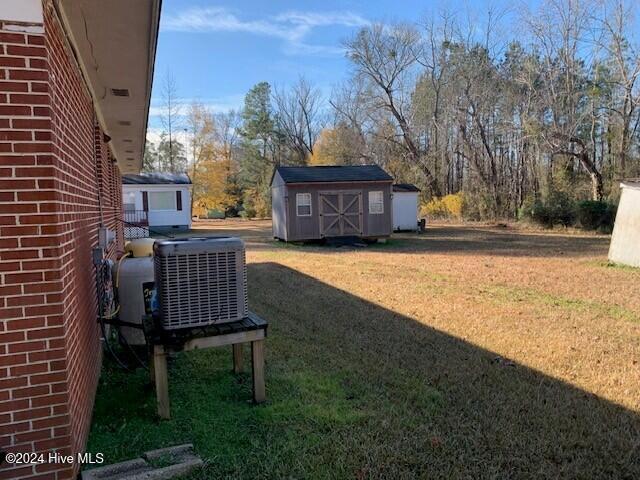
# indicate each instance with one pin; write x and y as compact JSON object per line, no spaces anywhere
{"x":547,"y":301}
{"x":465,"y":352}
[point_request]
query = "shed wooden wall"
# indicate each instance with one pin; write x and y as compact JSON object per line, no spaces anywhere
{"x":308,"y":228}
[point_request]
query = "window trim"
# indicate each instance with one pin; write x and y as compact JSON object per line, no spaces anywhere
{"x":299,"y":204}
{"x":172,"y":196}
{"x":381,"y":203}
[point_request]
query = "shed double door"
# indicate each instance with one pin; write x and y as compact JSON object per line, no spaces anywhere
{"x":340,"y":213}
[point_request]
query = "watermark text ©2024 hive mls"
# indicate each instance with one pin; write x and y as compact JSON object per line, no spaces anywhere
{"x":30,"y":458}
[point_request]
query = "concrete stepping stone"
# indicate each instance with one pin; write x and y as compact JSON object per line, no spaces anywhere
{"x":161,"y":464}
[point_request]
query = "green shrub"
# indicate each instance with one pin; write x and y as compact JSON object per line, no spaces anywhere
{"x":596,"y":215}
{"x":248,"y":211}
{"x":562,"y":209}
{"x":215,"y":214}
{"x":556,"y":209}
{"x":531,"y":209}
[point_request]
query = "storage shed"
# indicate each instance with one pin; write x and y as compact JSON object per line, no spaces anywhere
{"x":311,"y":203}
{"x":405,"y":207}
{"x":625,"y":241}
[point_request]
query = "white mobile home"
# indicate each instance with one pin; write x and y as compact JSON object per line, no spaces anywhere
{"x":405,"y":207}
{"x":625,"y":241}
{"x":159,"y":201}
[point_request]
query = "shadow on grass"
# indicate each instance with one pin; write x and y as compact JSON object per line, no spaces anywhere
{"x":460,"y":240}
{"x":355,"y":390}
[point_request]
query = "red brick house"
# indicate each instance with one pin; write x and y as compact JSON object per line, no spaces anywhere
{"x":75,"y":84}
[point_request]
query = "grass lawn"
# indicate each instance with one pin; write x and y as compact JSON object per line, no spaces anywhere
{"x":466,"y":352}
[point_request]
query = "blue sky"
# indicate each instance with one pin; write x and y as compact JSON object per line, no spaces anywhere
{"x":217,"y":50}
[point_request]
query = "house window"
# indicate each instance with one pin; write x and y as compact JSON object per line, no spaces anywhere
{"x":162,"y":200}
{"x":303,"y":204}
{"x":376,"y":202}
{"x":129,"y":202}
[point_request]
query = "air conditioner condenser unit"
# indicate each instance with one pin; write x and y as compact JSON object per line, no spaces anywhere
{"x":200,"y":281}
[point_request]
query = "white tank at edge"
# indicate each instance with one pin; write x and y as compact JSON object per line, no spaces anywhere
{"x":134,"y":273}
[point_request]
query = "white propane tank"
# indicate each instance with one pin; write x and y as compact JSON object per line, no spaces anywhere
{"x":135,"y":280}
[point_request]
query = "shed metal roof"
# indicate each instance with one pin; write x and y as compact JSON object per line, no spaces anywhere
{"x":405,"y":187}
{"x":333,"y":174}
{"x":156,"y":178}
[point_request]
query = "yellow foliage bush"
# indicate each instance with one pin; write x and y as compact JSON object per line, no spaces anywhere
{"x":449,"y":206}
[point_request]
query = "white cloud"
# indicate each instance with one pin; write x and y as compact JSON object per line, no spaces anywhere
{"x":292,"y":27}
{"x":215,"y":105}
{"x":315,"y":19}
{"x":153,"y":134}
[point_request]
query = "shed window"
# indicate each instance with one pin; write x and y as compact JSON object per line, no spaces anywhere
{"x":303,"y":204}
{"x":376,"y":202}
{"x":162,"y":200}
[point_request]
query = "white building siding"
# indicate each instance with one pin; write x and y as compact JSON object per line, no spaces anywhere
{"x":405,"y":210}
{"x":625,"y":241}
{"x":132,"y":194}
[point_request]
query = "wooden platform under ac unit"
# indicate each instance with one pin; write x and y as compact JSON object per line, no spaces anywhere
{"x":251,"y":329}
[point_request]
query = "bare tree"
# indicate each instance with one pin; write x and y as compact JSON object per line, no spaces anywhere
{"x":385,"y":57}
{"x":170,"y":116}
{"x":298,"y":117}
{"x":560,"y":29}
{"x":434,"y":57}
{"x":615,"y":24}
{"x":350,"y":112}
{"x":200,"y":127}
{"x":226,"y":131}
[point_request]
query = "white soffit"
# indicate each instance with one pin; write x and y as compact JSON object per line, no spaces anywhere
{"x":25,"y":11}
{"x":116,"y":43}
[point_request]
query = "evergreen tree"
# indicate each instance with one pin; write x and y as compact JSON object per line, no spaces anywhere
{"x":174,"y":162}
{"x":257,"y":143}
{"x":150,"y":158}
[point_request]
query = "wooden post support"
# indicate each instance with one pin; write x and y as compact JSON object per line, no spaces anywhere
{"x":152,"y":370}
{"x":257,"y":364}
{"x":162,"y":381}
{"x":237,"y":358}
{"x":251,"y":329}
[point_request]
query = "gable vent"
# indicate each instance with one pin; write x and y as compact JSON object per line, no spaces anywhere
{"x":120,"y":92}
{"x":124,"y":123}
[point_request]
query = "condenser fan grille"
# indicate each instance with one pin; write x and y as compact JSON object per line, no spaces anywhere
{"x":197,"y":289}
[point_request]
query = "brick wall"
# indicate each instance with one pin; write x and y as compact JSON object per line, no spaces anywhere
{"x":54,"y":169}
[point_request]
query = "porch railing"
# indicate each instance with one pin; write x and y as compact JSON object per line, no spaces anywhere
{"x":136,"y":217}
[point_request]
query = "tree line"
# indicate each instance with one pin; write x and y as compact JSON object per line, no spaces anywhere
{"x":549,"y":116}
